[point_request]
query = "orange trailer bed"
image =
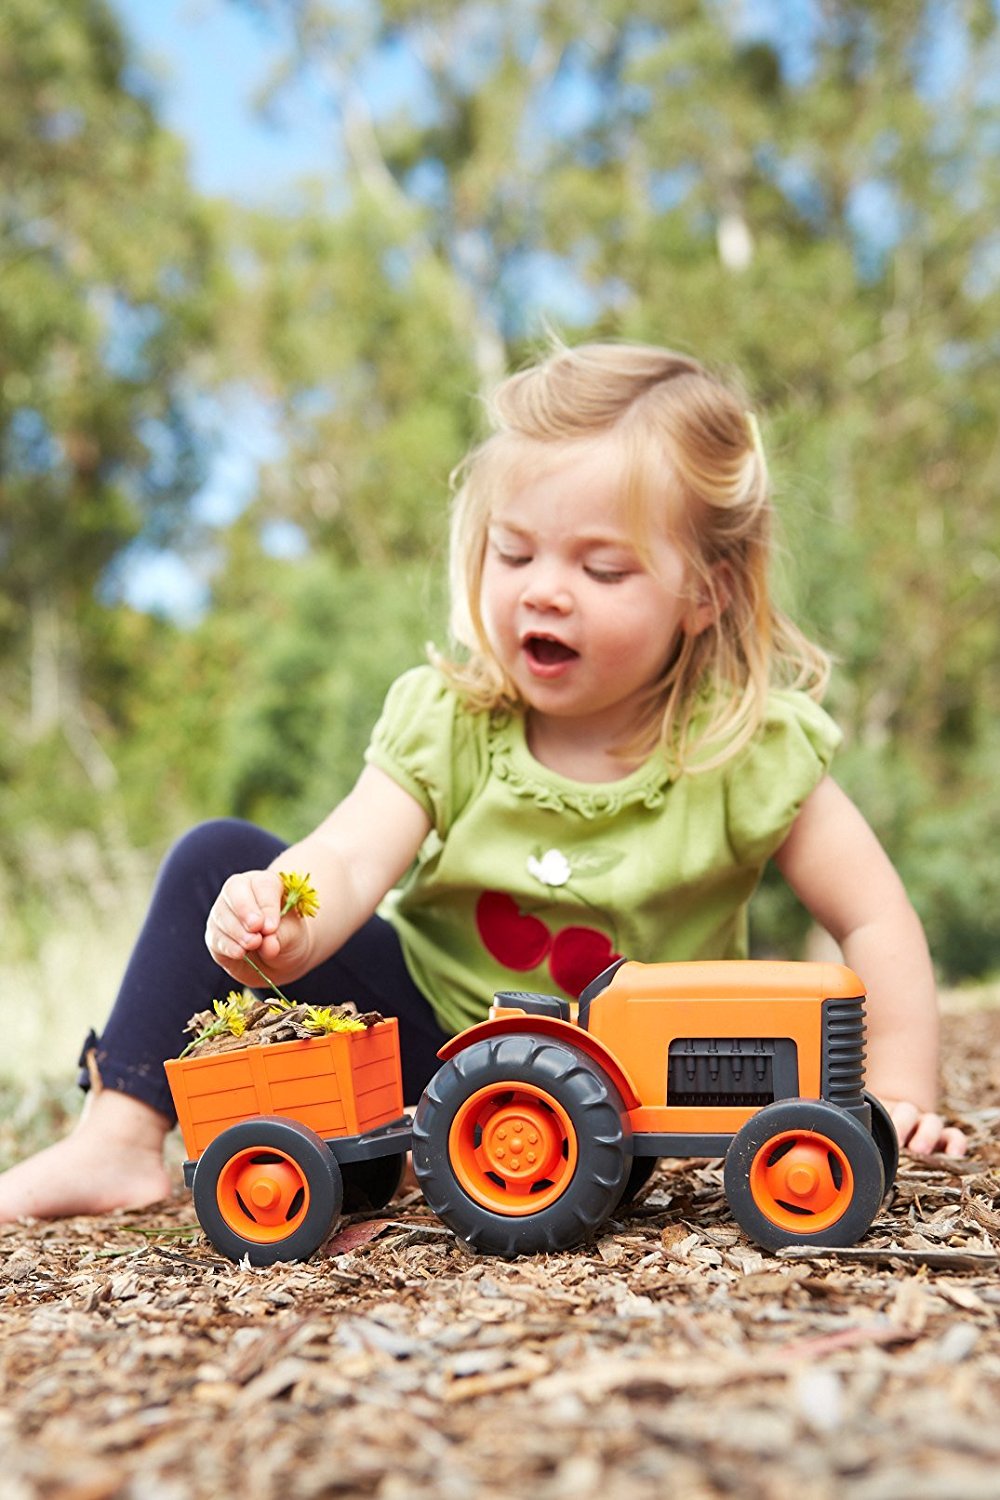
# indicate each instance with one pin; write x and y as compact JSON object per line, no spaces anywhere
{"x":340,"y":1085}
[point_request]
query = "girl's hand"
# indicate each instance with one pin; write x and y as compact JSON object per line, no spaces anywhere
{"x":246,"y":918}
{"x":923,"y":1133}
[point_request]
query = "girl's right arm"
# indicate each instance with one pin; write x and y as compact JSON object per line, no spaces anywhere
{"x":355,"y":856}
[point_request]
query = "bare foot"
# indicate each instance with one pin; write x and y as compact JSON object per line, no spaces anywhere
{"x":112,"y":1159}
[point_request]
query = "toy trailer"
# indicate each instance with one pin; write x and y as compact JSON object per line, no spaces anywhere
{"x":538,"y":1125}
{"x":281,"y":1138}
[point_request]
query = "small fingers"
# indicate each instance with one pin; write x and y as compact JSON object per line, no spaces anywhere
{"x":245,"y":916}
{"x":954,"y":1141}
{"x":924,"y":1133}
{"x":254,"y":899}
{"x":904,"y":1117}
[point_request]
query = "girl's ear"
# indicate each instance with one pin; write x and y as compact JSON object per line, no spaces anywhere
{"x":710,"y":601}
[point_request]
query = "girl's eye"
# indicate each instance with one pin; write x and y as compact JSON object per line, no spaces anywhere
{"x":607,"y":575}
{"x":513,"y":559}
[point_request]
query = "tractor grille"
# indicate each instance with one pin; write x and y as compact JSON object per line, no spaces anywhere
{"x":738,"y":1071}
{"x":844,"y":1051}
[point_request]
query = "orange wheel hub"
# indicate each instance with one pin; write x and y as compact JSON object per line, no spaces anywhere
{"x":802,"y":1181}
{"x":513,"y":1148}
{"x":263,"y":1195}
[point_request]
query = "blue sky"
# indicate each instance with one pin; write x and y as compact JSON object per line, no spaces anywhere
{"x":210,"y":59}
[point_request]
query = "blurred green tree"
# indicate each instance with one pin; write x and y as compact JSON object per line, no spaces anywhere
{"x":107,"y":293}
{"x":109,"y":281}
{"x":811,"y":201}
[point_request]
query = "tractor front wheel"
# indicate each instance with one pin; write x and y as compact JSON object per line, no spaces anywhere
{"x":885,"y":1137}
{"x":803,"y":1171}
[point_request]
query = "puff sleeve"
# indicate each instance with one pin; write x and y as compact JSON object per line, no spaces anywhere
{"x":772,"y":778}
{"x":429,"y":744}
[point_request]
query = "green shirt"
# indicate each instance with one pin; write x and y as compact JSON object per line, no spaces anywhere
{"x":529,"y":880}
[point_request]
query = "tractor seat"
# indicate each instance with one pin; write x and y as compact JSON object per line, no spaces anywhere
{"x":595,"y":988}
{"x":535,"y":1005}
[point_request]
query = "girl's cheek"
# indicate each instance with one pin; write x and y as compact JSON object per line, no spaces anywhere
{"x":498,"y":600}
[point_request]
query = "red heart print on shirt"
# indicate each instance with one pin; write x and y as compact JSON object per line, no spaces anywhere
{"x":514,"y":938}
{"x":578,"y":955}
{"x":520,"y":942}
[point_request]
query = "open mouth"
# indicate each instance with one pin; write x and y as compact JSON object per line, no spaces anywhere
{"x":547,"y":652}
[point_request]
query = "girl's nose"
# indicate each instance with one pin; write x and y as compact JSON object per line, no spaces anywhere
{"x":546,"y":587}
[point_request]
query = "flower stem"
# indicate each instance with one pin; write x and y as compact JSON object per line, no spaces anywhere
{"x":215,"y":1029}
{"x":267,"y":980}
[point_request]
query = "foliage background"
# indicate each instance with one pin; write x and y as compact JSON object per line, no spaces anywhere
{"x":805,"y":191}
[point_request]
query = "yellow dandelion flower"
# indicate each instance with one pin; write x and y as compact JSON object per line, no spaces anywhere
{"x":324,"y":1021}
{"x":232,"y":1012}
{"x":230,"y":1015}
{"x":299,"y":895}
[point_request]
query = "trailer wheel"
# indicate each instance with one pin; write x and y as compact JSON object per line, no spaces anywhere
{"x":269,"y":1189}
{"x":371,"y":1184}
{"x":521,"y":1144}
{"x":804,"y":1172}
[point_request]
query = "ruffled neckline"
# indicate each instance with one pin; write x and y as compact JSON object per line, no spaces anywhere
{"x":513,"y":763}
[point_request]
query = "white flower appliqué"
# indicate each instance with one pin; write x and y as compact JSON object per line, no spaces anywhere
{"x":553,"y":868}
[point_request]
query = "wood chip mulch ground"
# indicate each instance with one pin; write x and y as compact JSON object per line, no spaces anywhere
{"x":671,"y":1358}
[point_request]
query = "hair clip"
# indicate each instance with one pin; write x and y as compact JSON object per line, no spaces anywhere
{"x":756,"y":441}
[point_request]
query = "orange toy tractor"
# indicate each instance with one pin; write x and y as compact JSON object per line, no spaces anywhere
{"x":538,"y":1125}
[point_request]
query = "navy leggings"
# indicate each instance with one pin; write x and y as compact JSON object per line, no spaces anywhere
{"x":171,"y":974}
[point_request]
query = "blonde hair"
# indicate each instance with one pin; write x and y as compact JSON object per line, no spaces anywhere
{"x":693,"y":461}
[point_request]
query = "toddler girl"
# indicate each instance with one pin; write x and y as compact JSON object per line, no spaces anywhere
{"x":628,"y":735}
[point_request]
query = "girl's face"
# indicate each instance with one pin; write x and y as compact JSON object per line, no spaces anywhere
{"x":581,"y":622}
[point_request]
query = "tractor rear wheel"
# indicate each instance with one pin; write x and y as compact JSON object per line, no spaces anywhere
{"x":521,"y":1144}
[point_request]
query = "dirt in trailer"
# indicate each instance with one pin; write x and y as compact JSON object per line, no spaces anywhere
{"x":671,"y":1357}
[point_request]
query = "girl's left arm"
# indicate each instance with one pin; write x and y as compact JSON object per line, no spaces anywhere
{"x":842,"y":875}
